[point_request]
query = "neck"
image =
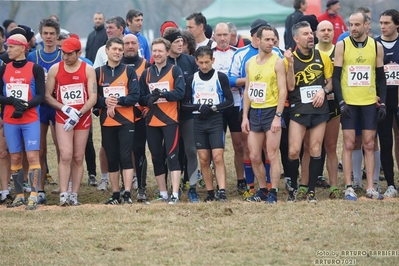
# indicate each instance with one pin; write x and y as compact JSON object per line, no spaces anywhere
{"x":161,"y":65}
{"x":200,"y":39}
{"x":22,"y":57}
{"x":360,"y":39}
{"x":113,"y":64}
{"x":174,"y":55}
{"x":325,"y":47}
{"x":262,"y":56}
{"x":329,"y":11}
{"x":132,"y":31}
{"x":49,"y":49}
{"x":304,"y":51}
{"x":390,"y":38}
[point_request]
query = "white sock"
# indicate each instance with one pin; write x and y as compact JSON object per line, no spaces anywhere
{"x":176,"y":195}
{"x":104,"y":176}
{"x":4,"y":194}
{"x":357,"y":158}
{"x":377,"y":165}
{"x":164,"y":194}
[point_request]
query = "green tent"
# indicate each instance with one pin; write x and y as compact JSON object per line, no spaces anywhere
{"x":243,"y":12}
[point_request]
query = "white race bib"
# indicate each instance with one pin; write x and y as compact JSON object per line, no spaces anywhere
{"x":392,"y":74}
{"x":72,"y":94}
{"x":208,"y":98}
{"x":257,"y":92}
{"x":163,"y":86}
{"x":331,"y":97}
{"x":117,"y":91}
{"x":308,"y":92}
{"x":16,"y":90}
{"x":359,"y":76}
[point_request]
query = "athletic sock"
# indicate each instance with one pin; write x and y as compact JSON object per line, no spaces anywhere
{"x":332,"y":188}
{"x":292,"y":167}
{"x":116,"y":195}
{"x":274,"y":191}
{"x":249,"y":173}
{"x":241,"y":181}
{"x":211,"y":193}
{"x":357,"y":158}
{"x":104,"y":176}
{"x":164,"y":194}
{"x":377,"y":166}
{"x":4,"y":194}
{"x":127,"y":194}
{"x":18,"y":178}
{"x":267,"y":168}
{"x":34,"y":176}
{"x":315,"y":165}
{"x":175,"y":195}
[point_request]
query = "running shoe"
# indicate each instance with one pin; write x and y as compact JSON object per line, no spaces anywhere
{"x":26,"y":187}
{"x":288,"y":184}
{"x":312,"y":197}
{"x":241,"y":188}
{"x":7,"y":200}
{"x":373,"y":194}
{"x":135,"y":183}
{"x":357,"y":188}
{"x":173,"y":200}
{"x":103,"y":185}
{"x":334,"y":194}
{"x":321,"y":182}
{"x":50,"y":180}
{"x":112,"y":201}
{"x":18,"y":201}
{"x":222,"y":197}
{"x":91,"y":181}
{"x":292,"y":195}
{"x":377,"y":186}
{"x":302,"y":194}
{"x":159,"y":198}
{"x":271,"y":198}
{"x":192,"y":195}
{"x":141,"y":195}
{"x":64,"y":200}
{"x":350,"y":194}
{"x":258,"y":197}
{"x":391,"y":192}
{"x":340,"y":168}
{"x":41,"y":198}
{"x":209,"y":199}
{"x":32,"y":204}
{"x":247,"y":194}
{"x":73,"y":200}
{"x":127,"y":200}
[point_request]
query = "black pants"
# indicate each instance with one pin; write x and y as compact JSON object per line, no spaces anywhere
{"x":140,"y":160}
{"x":90,"y":154}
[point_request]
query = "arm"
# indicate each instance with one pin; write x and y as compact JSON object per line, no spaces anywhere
{"x":100,"y":96}
{"x":233,"y":72}
{"x":38,"y":74}
{"x":380,"y":74}
{"x":187,"y":104}
{"x":3,"y":98}
{"x":290,"y":76}
{"x":144,"y":90}
{"x":50,"y":86}
{"x":338,"y":62}
{"x":229,"y":100}
{"x":91,"y":90}
{"x":133,"y":87}
{"x":177,"y":93}
{"x":279,"y":68}
{"x":246,"y":104}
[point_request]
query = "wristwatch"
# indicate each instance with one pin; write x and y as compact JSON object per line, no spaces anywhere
{"x":214,"y":108}
{"x":278,"y":114}
{"x":326,"y":90}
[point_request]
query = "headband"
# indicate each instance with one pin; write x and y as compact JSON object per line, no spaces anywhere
{"x":172,"y":37}
{"x":16,"y":42}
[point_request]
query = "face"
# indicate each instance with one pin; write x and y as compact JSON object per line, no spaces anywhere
{"x":70,"y":58}
{"x":176,"y":47}
{"x":131,"y":45}
{"x":357,"y":26}
{"x":266,"y":42}
{"x":11,"y":26}
{"x":222,"y":36}
{"x":185,"y":48}
{"x":305,"y":38}
{"x":205,"y":63}
{"x":113,"y":31}
{"x":2,"y":39}
{"x":159,"y":52}
{"x":135,"y":24}
{"x":325,"y":33}
{"x":304,"y":6}
{"x":15,"y":51}
{"x":114,"y":52}
{"x":388,"y":28}
{"x":334,"y":8}
{"x":49,"y":36}
{"x":193,"y":28}
{"x":98,"y":20}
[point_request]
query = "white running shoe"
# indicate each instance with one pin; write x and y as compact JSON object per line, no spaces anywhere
{"x":373,"y":194}
{"x":103,"y":185}
{"x":391,"y":192}
{"x":135,"y":184}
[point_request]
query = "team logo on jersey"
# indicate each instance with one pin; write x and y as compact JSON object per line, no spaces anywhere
{"x":63,"y":88}
{"x":310,"y":74}
{"x":360,"y":60}
{"x":17,"y":71}
{"x":75,"y":77}
{"x":121,"y":83}
{"x":258,"y":77}
{"x":17,"y":80}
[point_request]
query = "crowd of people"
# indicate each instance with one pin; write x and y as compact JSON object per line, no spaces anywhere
{"x":179,"y":94}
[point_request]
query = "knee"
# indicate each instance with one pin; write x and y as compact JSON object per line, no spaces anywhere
{"x":218,"y":158}
{"x":369,"y":145}
{"x":349,"y":145}
{"x":3,"y":154}
{"x":272,"y":155}
{"x":78,"y":159}
{"x":204,"y":161}
{"x":293,"y":154}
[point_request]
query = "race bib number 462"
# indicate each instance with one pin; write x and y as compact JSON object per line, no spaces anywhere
{"x":16,"y":90}
{"x":359,"y":76}
{"x":72,"y":94}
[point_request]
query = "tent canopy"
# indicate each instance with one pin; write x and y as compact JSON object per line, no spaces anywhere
{"x":243,"y":12}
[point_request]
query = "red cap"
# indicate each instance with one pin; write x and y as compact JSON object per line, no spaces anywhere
{"x":74,"y":35}
{"x":70,"y":45}
{"x":168,"y":24}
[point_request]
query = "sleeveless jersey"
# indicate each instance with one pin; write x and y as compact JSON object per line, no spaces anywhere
{"x":262,"y":87}
{"x":19,"y":83}
{"x":391,"y":62}
{"x":310,"y":76}
{"x":71,"y":90}
{"x":358,"y":73}
{"x":45,"y":60}
{"x":207,"y":92}
{"x":118,"y":87}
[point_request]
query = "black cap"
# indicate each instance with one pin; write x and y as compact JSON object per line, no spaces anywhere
{"x":257,"y":23}
{"x":331,"y":2}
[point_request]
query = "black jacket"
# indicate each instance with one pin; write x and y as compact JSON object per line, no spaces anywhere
{"x":290,"y":21}
{"x":97,"y":38}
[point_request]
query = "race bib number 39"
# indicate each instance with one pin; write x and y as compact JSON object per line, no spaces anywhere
{"x":359,"y":76}
{"x":72,"y":94}
{"x":308,"y":92}
{"x":17,"y":90}
{"x":392,"y":74}
{"x":257,"y":92}
{"x":117,"y":91}
{"x":163,"y":86}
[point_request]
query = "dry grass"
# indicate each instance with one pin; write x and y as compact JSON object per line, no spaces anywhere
{"x":234,"y":233}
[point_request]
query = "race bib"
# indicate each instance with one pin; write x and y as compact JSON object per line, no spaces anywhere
{"x":163,"y":86}
{"x":359,"y":76}
{"x":308,"y":92}
{"x":392,"y":74}
{"x":72,"y":94}
{"x":117,"y":91}
{"x":16,"y":90}
{"x":331,"y":97}
{"x":208,"y":98}
{"x":257,"y":92}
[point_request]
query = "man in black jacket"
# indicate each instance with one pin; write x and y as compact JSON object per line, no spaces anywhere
{"x":300,"y":7}
{"x":97,"y":38}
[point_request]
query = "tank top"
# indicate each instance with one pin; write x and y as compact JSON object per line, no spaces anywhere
{"x":207,"y":92}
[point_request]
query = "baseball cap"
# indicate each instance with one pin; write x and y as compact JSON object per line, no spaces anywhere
{"x":331,"y":2}
{"x":70,"y":45}
{"x":257,"y":23}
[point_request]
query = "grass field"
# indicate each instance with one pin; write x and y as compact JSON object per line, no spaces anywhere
{"x":232,"y":233}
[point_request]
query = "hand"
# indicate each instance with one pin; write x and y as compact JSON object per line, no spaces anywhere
{"x":111,"y":101}
{"x":20,"y":105}
{"x":70,"y":124}
{"x":245,"y":125}
{"x":318,"y":98}
{"x":276,"y":125}
{"x":345,"y":110}
{"x":17,"y":114}
{"x":382,"y":112}
{"x":205,"y":110}
{"x":289,"y":56}
{"x":156,"y":92}
{"x":152,"y":99}
{"x":71,"y":112}
{"x":111,"y":112}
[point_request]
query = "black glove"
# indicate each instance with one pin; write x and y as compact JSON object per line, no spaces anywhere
{"x":152,"y":99}
{"x":345,"y":110}
{"x":382,"y":113}
{"x":156,"y":92}
{"x":96,"y":112}
{"x":205,"y":111}
{"x":17,"y":114}
{"x":19,"y":104}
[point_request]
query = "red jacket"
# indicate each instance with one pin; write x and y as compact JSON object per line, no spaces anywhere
{"x":337,"y":21}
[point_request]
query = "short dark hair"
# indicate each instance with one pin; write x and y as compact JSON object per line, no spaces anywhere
{"x":118,"y":21}
{"x":363,"y":9}
{"x":48,"y":22}
{"x":297,"y":3}
{"x":112,"y":40}
{"x":198,"y":18}
{"x":132,"y":13}
{"x":259,"y":32}
{"x":203,"y":50}
{"x":394,"y":14}
{"x":161,"y":40}
{"x":189,"y":39}
{"x":299,"y":25}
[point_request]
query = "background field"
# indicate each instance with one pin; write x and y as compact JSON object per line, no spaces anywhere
{"x":232,"y":233}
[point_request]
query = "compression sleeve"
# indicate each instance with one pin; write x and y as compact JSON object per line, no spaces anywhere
{"x":187,"y":104}
{"x":337,"y":83}
{"x":225,"y":84}
{"x":381,"y":84}
{"x":38,"y":74}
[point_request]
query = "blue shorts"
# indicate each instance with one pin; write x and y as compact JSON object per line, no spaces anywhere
{"x":28,"y":133}
{"x":47,"y":114}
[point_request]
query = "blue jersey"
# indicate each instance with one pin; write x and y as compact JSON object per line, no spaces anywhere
{"x":45,"y":60}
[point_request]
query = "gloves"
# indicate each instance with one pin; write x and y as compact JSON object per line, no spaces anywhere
{"x":20,"y":104}
{"x":69,"y":124}
{"x":17,"y":114}
{"x":345,"y":110}
{"x":382,"y":113}
{"x":156,"y":92}
{"x":153,"y":98}
{"x":205,"y":111}
{"x":71,"y":113}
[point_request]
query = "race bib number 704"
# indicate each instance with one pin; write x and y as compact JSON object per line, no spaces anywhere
{"x":359,"y":75}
